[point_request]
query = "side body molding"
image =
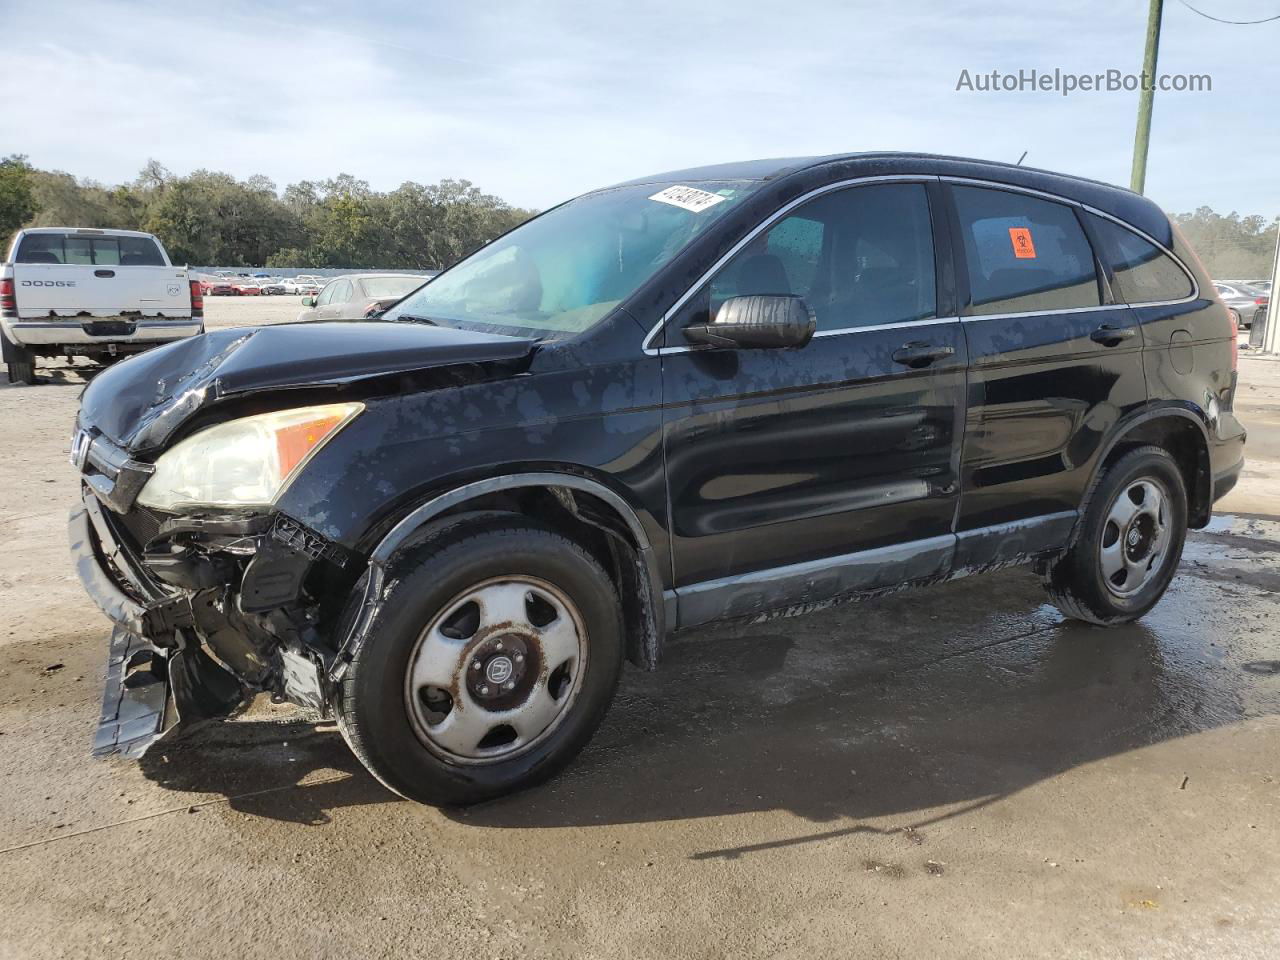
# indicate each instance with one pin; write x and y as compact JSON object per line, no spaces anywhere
{"x":649,"y":578}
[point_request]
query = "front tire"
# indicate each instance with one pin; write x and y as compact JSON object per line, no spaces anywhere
{"x":490,"y":662}
{"x":1126,"y":551}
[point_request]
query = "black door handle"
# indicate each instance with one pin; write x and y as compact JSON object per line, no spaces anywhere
{"x":917,"y":354}
{"x":104,"y":273}
{"x":1110,"y":336}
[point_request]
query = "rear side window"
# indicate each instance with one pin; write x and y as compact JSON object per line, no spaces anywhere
{"x":83,"y":249}
{"x":1144,"y":273}
{"x":860,"y":257}
{"x":1024,"y":254}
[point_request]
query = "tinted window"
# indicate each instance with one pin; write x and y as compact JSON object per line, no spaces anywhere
{"x":326,"y":295}
{"x":80,"y":249}
{"x":139,"y":252}
{"x":1024,"y":254}
{"x":859,"y":257}
{"x":1144,"y":273}
{"x":41,"y":248}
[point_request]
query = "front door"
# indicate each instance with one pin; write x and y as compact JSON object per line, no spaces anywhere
{"x":799,"y":474}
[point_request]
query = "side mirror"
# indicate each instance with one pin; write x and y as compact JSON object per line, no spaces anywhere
{"x":757,"y":322}
{"x":308,"y":301}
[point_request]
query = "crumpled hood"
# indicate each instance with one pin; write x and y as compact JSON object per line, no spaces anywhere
{"x":140,"y":403}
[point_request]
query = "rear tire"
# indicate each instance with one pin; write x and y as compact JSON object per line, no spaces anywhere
{"x":434,"y":703}
{"x":1128,"y":543}
{"x":20,"y":363}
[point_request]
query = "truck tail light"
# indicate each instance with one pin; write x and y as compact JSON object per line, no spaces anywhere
{"x":197,"y":300}
{"x":1260,"y":301}
{"x":8,"y":301}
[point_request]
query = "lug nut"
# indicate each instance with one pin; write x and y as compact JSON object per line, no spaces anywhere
{"x":484,"y":691}
{"x":499,"y":645}
{"x":519,"y":658}
{"x":475,"y":665}
{"x":511,"y":685}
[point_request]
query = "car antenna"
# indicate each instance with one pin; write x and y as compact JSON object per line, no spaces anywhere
{"x":1021,"y":158}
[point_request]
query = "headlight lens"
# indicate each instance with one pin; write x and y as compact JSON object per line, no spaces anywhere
{"x":246,"y":462}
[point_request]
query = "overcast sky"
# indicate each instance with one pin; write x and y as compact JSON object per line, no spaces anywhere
{"x":538,"y":101}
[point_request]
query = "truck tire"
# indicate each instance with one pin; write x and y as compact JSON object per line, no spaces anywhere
{"x":20,"y":363}
{"x":489,"y":663}
{"x":1126,"y":549}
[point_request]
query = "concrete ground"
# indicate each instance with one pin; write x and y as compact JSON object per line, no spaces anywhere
{"x":945,"y":773}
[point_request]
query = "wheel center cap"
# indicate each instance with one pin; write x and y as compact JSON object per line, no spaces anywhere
{"x":1133,"y":537}
{"x":499,"y":669}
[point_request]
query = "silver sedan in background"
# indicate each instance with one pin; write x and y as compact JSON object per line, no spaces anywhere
{"x":1243,"y":300}
{"x":359,"y":296}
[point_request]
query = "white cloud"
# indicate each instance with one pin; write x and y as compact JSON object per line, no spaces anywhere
{"x":537,"y":101}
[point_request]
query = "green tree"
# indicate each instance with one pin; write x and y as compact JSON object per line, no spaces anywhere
{"x":17,"y":202}
{"x":1231,"y":247}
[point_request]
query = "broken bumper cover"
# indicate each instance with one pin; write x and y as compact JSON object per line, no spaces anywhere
{"x":136,"y":698}
{"x":150,"y":689}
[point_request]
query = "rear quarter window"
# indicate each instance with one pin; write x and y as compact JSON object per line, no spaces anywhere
{"x":1143,"y":272}
{"x":1024,"y":254}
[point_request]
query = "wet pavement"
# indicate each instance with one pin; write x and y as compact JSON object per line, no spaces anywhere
{"x":947,"y":773}
{"x":956,"y":771}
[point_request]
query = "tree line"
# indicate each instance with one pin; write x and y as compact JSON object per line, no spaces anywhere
{"x":209,"y":218}
{"x":212,"y":219}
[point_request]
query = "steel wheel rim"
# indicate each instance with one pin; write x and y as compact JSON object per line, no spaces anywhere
{"x":509,"y":655}
{"x":1135,"y":537}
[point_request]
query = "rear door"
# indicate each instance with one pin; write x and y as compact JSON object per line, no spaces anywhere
{"x":843,"y":453}
{"x":1054,"y":364}
{"x":68,"y":274}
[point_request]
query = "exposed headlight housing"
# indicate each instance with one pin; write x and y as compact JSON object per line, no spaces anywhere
{"x":243,"y":463}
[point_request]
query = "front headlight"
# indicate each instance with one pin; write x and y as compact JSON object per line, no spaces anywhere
{"x":245,"y":462}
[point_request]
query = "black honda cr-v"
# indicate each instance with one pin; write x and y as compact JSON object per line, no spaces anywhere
{"x":716,"y":393}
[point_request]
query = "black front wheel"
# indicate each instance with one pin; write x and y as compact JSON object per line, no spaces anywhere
{"x":489,"y":664}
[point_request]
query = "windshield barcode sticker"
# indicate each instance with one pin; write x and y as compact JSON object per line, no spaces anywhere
{"x":687,"y":198}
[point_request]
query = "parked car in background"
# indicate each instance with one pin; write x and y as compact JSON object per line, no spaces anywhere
{"x":101,"y":294}
{"x":1263,"y":285}
{"x":272,"y":288}
{"x":298,"y":285}
{"x":217,"y":287}
{"x":1242,"y":300}
{"x":246,"y":288}
{"x":732,"y":392}
{"x":359,"y":296}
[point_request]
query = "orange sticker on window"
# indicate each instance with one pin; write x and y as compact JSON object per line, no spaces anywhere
{"x":1023,"y":248}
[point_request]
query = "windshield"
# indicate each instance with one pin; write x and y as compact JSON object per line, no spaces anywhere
{"x":564,"y":271}
{"x":382,"y":287}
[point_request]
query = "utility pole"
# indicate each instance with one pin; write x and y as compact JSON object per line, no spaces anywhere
{"x":1146,"y":97}
{"x":1271,"y":335}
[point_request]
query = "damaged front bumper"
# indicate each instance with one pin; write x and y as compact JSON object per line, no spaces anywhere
{"x":197,"y":633}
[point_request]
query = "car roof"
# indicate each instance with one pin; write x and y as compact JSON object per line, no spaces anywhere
{"x":90,"y":231}
{"x":790,"y":175}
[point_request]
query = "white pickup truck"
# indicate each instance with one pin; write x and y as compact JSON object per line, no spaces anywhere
{"x":104,"y":294}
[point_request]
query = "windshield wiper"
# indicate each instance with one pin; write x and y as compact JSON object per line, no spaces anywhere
{"x":411,"y":318}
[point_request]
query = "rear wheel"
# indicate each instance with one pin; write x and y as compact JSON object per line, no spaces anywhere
{"x":20,"y":363}
{"x":488,"y":665}
{"x":1130,"y":539}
